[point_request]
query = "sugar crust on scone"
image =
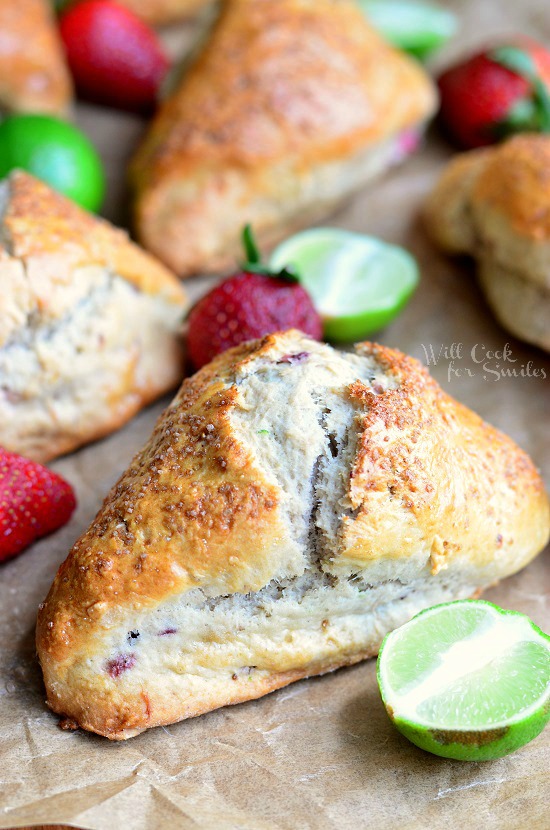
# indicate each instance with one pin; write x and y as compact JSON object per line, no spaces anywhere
{"x":90,"y":325}
{"x":292,"y":506}
{"x":270,"y":128}
{"x":34,"y":76}
{"x":162,"y":12}
{"x":494,"y":204}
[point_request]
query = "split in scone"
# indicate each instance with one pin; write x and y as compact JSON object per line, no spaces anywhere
{"x":33,"y":72}
{"x":90,"y":325}
{"x":494,"y":204}
{"x":273,"y":128}
{"x":293,"y":505}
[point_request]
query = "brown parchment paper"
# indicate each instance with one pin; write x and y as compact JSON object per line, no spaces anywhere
{"x":319,"y":754}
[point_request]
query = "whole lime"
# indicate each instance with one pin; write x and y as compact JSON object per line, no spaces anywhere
{"x":56,"y":152}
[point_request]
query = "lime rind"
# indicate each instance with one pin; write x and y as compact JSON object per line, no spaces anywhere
{"x":358,"y":284}
{"x":487,"y":745}
{"x":416,"y":27}
{"x":429,"y":725}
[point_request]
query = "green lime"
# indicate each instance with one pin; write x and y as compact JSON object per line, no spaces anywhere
{"x":358,"y":284}
{"x":416,"y":27}
{"x":55,"y":152}
{"x":467,"y":680}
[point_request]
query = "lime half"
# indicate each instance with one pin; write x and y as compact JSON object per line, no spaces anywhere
{"x":467,"y":680}
{"x":417,"y":27}
{"x":358,"y":284}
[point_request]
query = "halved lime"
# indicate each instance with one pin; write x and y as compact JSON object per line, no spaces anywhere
{"x":467,"y":680}
{"x":358,"y":284}
{"x":416,"y":27}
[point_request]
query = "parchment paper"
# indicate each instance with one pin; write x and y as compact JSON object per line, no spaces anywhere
{"x":319,"y":754}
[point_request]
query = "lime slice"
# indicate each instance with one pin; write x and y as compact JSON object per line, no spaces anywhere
{"x":467,"y":680}
{"x":416,"y":27}
{"x":358,"y":284}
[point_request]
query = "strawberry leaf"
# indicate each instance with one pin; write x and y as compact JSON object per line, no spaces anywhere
{"x":542,"y":100}
{"x":521,"y":118}
{"x":527,"y":115}
{"x":516,"y":60}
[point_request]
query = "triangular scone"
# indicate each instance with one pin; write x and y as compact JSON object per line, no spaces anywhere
{"x":89,"y":324}
{"x":161,"y":12}
{"x":33,"y":72}
{"x":290,"y":106}
{"x":292,"y":506}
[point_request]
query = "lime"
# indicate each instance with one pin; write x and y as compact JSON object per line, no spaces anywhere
{"x":55,"y":152}
{"x":358,"y":284}
{"x":416,"y":27}
{"x":467,"y":680}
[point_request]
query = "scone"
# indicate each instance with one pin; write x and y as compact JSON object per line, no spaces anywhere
{"x":495,"y":205}
{"x":33,"y":72}
{"x":273,"y":128}
{"x":161,"y":12}
{"x":293,"y":505}
{"x":89,"y":323}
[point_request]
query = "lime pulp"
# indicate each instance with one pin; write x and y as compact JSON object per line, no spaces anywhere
{"x":358,"y":284}
{"x":467,"y":680}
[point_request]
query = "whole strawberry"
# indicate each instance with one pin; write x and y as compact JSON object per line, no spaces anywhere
{"x":34,"y":501}
{"x":115,"y":58}
{"x":250,"y":304}
{"x":496,"y":93}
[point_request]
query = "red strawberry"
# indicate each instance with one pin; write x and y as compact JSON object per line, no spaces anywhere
{"x":114,"y":57}
{"x":34,"y":501}
{"x":249,"y":304}
{"x":496,"y":93}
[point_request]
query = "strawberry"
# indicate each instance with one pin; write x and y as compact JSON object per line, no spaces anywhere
{"x":496,"y":93}
{"x":251,"y":303}
{"x":115,"y":58}
{"x":34,"y":501}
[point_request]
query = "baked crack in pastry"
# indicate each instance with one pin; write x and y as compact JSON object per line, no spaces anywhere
{"x":293,"y":505}
{"x":33,"y":72}
{"x":89,"y":323}
{"x":274,"y":128}
{"x":495,"y":205}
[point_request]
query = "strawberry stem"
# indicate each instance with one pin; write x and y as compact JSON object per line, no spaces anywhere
{"x":251,"y":249}
{"x":254,"y":264}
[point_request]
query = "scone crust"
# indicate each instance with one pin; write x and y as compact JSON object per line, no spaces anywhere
{"x":162,"y":12}
{"x":40,"y":223}
{"x":494,"y":204}
{"x":261,"y":104}
{"x":53,"y":257}
{"x":33,"y":72}
{"x":515,"y":182}
{"x":431,"y":486}
{"x":283,"y":98}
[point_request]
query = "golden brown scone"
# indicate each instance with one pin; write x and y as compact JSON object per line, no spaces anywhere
{"x":162,"y":12}
{"x":89,"y":323}
{"x":33,"y":72}
{"x":495,"y":205}
{"x":272,"y":127}
{"x":293,"y":505}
